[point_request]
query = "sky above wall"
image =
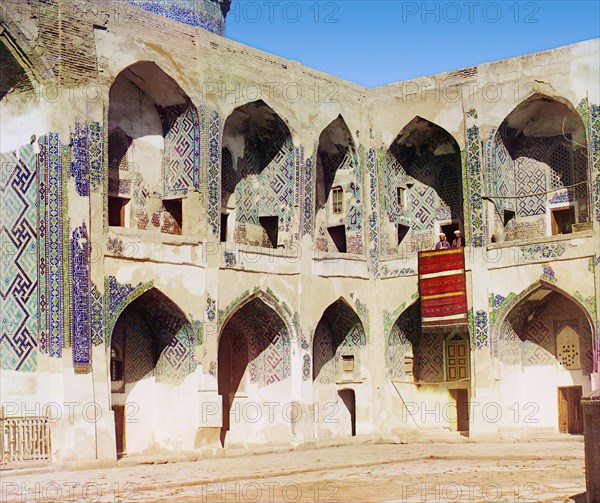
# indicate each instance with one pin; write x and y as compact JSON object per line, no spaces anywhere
{"x":377,"y":42}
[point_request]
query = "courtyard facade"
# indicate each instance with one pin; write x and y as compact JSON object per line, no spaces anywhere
{"x":205,"y":246}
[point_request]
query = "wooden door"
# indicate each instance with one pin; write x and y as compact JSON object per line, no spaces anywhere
{"x":119,"y":411}
{"x":457,"y":360}
{"x":575,"y":412}
{"x":461,"y":399}
{"x":570,"y":415}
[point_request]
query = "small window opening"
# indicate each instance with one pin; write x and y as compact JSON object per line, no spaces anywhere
{"x":402,"y":232}
{"x":508,"y":216}
{"x":338,"y":235}
{"x":117,"y":207}
{"x":224,"y":218}
{"x":337,"y":197}
{"x":271,"y":227}
{"x":562,"y":221}
{"x":348,"y":363}
{"x":174,"y":207}
{"x":400,"y":196}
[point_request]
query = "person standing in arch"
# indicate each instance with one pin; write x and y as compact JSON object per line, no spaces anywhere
{"x":458,"y":242}
{"x":442,"y":244}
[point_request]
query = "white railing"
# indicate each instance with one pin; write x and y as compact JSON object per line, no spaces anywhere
{"x":24,"y":439}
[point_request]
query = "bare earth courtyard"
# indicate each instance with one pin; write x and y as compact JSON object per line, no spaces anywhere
{"x":534,"y":471}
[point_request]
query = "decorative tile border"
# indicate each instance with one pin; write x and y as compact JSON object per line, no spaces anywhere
{"x":588,"y":302}
{"x":56,"y":249}
{"x":211,"y":309}
{"x":194,"y":13}
{"x":308,"y":186}
{"x":117,"y":298}
{"x":97,"y":315}
{"x":80,"y":165}
{"x":548,"y":274}
{"x":214,"y":173}
{"x":475,"y":186}
{"x":386,"y":272}
{"x":537,"y":252}
{"x":480,"y":323}
{"x":590,"y":113}
{"x":80,"y":278}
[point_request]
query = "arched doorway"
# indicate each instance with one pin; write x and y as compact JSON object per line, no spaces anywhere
{"x":338,"y":345}
{"x":430,"y":368}
{"x":423,"y":193}
{"x":337,"y":196}
{"x":254,"y":376}
{"x":538,"y":174}
{"x":258,"y":177}
{"x":543,"y":351}
{"x":151,"y":355}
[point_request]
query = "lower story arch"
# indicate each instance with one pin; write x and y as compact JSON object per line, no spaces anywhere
{"x":543,"y":354}
{"x":151,"y":355}
{"x":254,"y":371}
{"x":429,"y":372}
{"x":338,"y":372}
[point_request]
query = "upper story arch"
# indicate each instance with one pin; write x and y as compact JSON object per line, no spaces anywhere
{"x":258,"y":177}
{"x":338,"y":202}
{"x":153,"y":149}
{"x":537,"y":174}
{"x":423,"y":190}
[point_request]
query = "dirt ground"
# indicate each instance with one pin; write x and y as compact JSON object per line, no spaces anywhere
{"x":523,"y":472}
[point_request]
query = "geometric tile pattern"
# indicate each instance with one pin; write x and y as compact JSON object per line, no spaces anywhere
{"x":260,"y":343}
{"x":18,"y":260}
{"x":80,"y":298}
{"x":116,"y":298}
{"x":590,"y":113}
{"x":196,"y":13}
{"x":269,"y":191}
{"x":436,"y":194}
{"x":214,"y":173}
{"x":481,"y":329}
{"x":56,"y":245}
{"x":374,"y":234}
{"x":530,"y":179}
{"x":405,"y":331}
{"x":475,"y":186}
{"x":537,"y":252}
{"x":96,"y":154}
{"x":80,"y":164}
{"x":157,"y":339}
{"x":96,"y":315}
{"x":182,"y":151}
{"x":340,"y":331}
{"x":430,"y":358}
{"x":308,"y":187}
{"x":533,"y":333}
{"x":541,"y":165}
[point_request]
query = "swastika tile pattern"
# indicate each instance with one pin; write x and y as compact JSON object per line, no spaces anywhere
{"x":260,"y":343}
{"x":157,"y":339}
{"x":18,"y":260}
{"x":182,"y":151}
